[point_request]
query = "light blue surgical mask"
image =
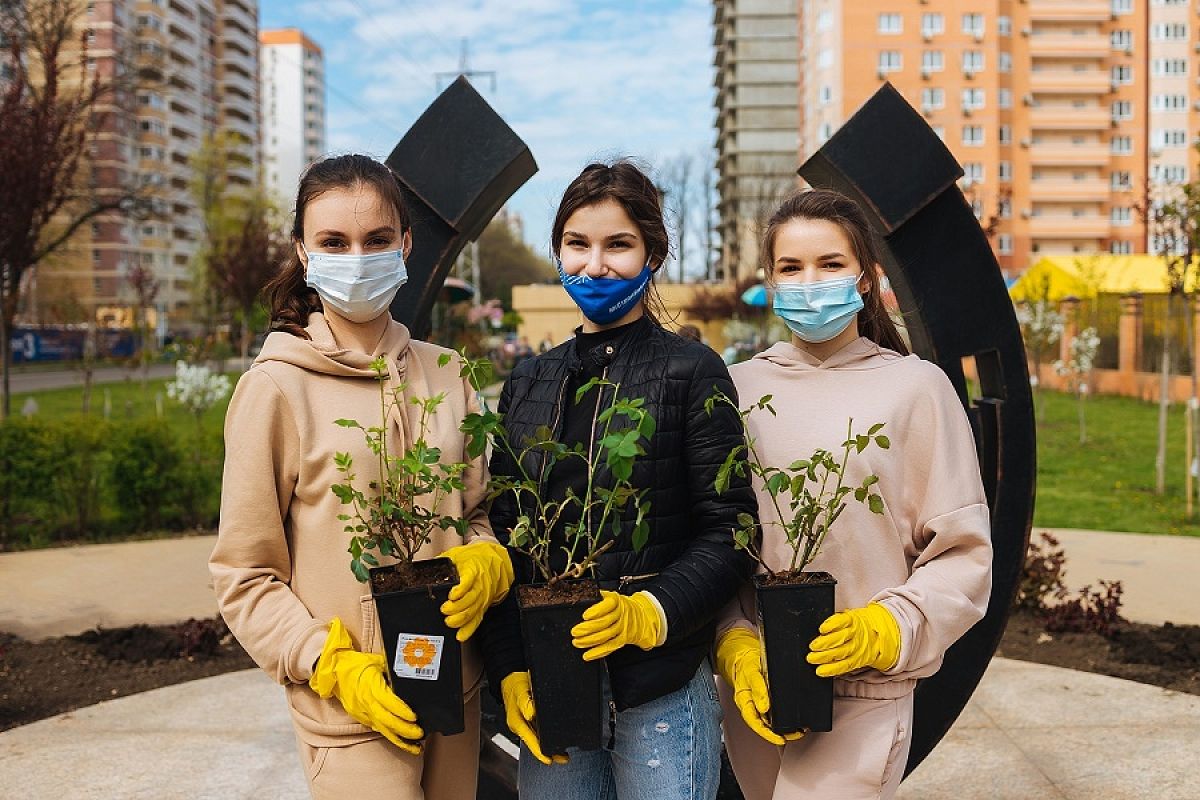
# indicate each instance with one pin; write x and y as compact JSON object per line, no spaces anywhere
{"x":818,"y":311}
{"x":358,"y":287}
{"x":605,"y":300}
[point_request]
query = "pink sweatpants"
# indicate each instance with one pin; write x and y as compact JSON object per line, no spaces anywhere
{"x":862,"y":758}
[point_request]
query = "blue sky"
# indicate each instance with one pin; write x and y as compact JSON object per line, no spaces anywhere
{"x":576,"y":80}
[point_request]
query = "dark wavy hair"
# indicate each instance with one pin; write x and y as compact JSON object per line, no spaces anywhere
{"x":874,"y":322}
{"x":288,"y":296}
{"x":625,"y":182}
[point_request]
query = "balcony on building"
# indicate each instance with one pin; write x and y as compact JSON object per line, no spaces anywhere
{"x":1095,"y":154}
{"x":1054,"y":45}
{"x":1070,"y":10}
{"x":1070,"y":82}
{"x":1064,"y":226}
{"x":1067,"y":191}
{"x":1070,"y":118}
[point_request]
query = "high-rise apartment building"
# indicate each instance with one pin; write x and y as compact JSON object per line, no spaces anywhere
{"x":757,"y":120}
{"x":1069,"y":116}
{"x":293,"y":108}
{"x":196,"y":67}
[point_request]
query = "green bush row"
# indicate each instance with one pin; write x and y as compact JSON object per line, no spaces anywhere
{"x":84,"y":478}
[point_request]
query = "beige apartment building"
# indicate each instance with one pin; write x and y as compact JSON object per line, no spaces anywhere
{"x":197,"y":67}
{"x":1068,"y":116}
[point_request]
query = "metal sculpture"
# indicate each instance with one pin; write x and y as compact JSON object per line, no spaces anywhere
{"x":457,"y":165}
{"x":955,"y":307}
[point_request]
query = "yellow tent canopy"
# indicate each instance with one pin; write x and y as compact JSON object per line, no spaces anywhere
{"x":1086,"y":276}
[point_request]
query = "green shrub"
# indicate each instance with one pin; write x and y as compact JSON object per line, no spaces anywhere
{"x":145,"y":472}
{"x":25,"y":495}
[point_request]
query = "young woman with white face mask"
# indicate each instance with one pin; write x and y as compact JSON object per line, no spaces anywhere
{"x":280,"y":566}
{"x":912,"y":580}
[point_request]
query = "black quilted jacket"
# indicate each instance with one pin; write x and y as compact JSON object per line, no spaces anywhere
{"x":692,"y":565}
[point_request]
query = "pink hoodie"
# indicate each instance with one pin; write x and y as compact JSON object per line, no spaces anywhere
{"x":928,"y":557}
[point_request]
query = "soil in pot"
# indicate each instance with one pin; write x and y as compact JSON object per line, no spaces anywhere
{"x":566,"y":689}
{"x":423,"y":655}
{"x":791,"y":608}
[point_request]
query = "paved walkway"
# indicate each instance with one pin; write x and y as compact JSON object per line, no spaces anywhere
{"x":1029,"y":732}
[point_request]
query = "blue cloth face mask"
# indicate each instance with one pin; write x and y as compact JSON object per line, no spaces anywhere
{"x":819,"y":311}
{"x":605,"y":300}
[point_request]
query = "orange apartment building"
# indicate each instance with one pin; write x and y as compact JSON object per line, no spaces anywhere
{"x":1065,"y":114}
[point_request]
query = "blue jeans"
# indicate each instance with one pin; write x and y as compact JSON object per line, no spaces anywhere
{"x":667,"y":749}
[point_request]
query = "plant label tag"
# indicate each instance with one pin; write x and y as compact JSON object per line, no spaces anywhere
{"x":419,"y":656}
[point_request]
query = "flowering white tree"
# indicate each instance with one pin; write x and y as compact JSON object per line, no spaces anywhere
{"x":1078,"y":368}
{"x":1041,"y":328}
{"x":196,"y":388}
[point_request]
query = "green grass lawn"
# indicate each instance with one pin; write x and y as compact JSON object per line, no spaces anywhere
{"x":127,"y":400}
{"x":1108,"y":483}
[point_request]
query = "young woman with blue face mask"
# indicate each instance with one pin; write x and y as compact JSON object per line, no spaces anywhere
{"x":280,"y":566}
{"x":912,"y":580}
{"x":655,"y":622}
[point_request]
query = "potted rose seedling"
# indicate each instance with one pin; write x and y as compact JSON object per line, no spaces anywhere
{"x":392,"y":519}
{"x":567,"y":689}
{"x":808,"y":496}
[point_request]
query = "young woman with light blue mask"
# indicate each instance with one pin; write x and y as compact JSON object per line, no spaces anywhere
{"x":279,"y":568}
{"x":912,"y":579}
{"x":654,"y":625}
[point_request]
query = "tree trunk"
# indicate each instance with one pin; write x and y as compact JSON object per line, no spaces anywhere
{"x":1160,"y":458}
{"x":1081,"y":397}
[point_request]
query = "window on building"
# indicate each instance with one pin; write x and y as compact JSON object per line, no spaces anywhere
{"x":932,"y":24}
{"x":977,"y":208}
{"x":1120,"y":180}
{"x":824,"y":132}
{"x":972,"y":24}
{"x":1121,"y":40}
{"x":95,"y":230}
{"x":1120,"y":215}
{"x":1004,"y":61}
{"x":1122,"y":109}
{"x":1168,"y":173}
{"x":1168,"y":137}
{"x":932,"y":99}
{"x":1121,"y":145}
{"x":890,"y":61}
{"x":1004,"y":244}
{"x":1120,"y":247}
{"x":825,"y":21}
{"x":826,"y":95}
{"x":1122,"y":74}
{"x":940,"y":131}
{"x":931,"y":61}
{"x":972,"y":172}
{"x":891,"y":23}
{"x":825,"y":59}
{"x":1122,"y":6}
{"x":1164,"y":67}
{"x":1168,"y":31}
{"x":1004,"y":208}
{"x":972,"y":61}
{"x":1004,"y":98}
{"x":1005,"y":134}
{"x":1005,"y":171}
{"x":1004,"y":25}
{"x":972,"y":99}
{"x":1168,"y":102}
{"x":972,"y":135}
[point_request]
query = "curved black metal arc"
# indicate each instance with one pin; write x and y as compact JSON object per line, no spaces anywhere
{"x":458,"y":164}
{"x":955,"y":305}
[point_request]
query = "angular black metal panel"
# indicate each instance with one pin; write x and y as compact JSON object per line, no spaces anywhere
{"x":458,"y":164}
{"x":955,"y":305}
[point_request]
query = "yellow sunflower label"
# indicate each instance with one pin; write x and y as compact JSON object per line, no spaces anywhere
{"x":418,"y":656}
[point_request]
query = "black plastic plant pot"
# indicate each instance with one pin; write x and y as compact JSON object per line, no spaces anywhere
{"x":789,"y":615}
{"x":566,"y":689}
{"x":424,"y":657}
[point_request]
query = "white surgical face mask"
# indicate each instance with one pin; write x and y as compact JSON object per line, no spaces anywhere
{"x":358,"y":287}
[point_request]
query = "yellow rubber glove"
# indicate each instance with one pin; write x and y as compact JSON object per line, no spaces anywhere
{"x":484,"y":574}
{"x":615,"y":621}
{"x":517,"y":693}
{"x":856,"y":638}
{"x":739,"y":662}
{"x":357,"y":680}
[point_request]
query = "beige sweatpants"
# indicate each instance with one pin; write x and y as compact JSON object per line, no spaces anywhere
{"x":378,"y":770}
{"x":862,"y":758}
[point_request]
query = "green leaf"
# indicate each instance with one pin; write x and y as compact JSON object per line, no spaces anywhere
{"x":883,"y":441}
{"x":641,"y":533}
{"x":347,"y":423}
{"x":876,"y":428}
{"x":870,"y":480}
{"x":860,"y":494}
{"x":745,"y":520}
{"x":860,"y":442}
{"x":876,"y":504}
{"x":741,"y":537}
{"x":443,"y":359}
{"x":777,"y":483}
{"x":360,"y":571}
{"x":370,"y":559}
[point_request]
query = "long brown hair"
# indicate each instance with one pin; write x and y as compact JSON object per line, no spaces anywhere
{"x":825,"y":204}
{"x":288,"y":295}
{"x":626,"y":183}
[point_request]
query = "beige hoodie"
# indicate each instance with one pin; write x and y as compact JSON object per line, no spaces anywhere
{"x":280,"y":567}
{"x":928,"y":557}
